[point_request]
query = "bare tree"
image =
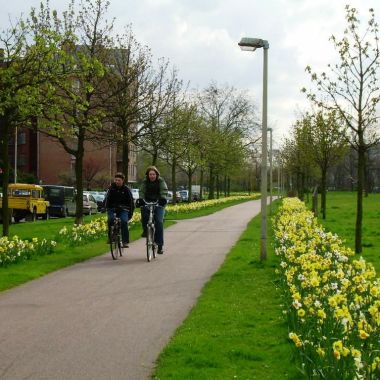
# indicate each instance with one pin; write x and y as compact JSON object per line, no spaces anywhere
{"x":130,"y":83}
{"x":228,"y":114}
{"x":90,"y":169}
{"x":165,"y":91}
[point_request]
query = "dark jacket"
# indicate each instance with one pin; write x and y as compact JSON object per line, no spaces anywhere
{"x":152,"y":191}
{"x":120,"y":197}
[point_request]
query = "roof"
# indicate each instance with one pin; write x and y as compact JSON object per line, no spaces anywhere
{"x":24,"y":186}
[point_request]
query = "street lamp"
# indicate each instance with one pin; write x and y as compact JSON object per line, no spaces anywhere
{"x":270,"y":170}
{"x":251,"y":44}
{"x":16,"y":153}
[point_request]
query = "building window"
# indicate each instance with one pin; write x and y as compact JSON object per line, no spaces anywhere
{"x":21,"y":160}
{"x":21,"y":138}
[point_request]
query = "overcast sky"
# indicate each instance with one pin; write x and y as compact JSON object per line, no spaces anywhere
{"x":200,"y":38}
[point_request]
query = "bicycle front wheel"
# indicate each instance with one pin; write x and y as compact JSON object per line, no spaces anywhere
{"x":154,"y":245}
{"x":149,"y":244}
{"x":115,"y":247}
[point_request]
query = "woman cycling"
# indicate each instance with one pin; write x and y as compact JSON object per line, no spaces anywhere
{"x":154,"y":189}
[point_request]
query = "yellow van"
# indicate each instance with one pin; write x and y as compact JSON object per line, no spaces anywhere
{"x":26,"y":201}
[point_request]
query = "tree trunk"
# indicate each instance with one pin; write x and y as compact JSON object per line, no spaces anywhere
{"x":154,"y":157}
{"x":125,"y":157}
{"x":315,"y":201}
{"x":5,"y":157}
{"x":366,"y":186}
{"x":211,"y":184}
{"x":359,"y":204}
{"x":201,"y":185}
{"x":174,"y":182}
{"x":79,"y":177}
{"x":189,"y":183}
{"x":323,"y":194}
{"x":217,"y":186}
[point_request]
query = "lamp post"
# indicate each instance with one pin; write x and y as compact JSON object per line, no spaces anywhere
{"x":251,"y":44}
{"x":16,"y":153}
{"x":270,"y":170}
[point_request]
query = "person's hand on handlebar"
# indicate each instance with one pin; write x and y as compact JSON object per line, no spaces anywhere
{"x":140,"y":202}
{"x":162,"y":202}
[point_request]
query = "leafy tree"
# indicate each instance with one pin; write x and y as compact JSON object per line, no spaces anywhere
{"x":351,"y":89}
{"x":296,"y":156}
{"x":78,"y":110}
{"x":328,"y":142}
{"x":26,"y":62}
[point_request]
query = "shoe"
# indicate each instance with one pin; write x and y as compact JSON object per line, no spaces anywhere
{"x":143,"y":234}
{"x":125,"y":245}
{"x":160,"y":250}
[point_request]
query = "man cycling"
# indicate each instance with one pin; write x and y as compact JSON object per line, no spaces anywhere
{"x":119,"y":201}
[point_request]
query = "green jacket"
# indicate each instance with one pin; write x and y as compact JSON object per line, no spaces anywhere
{"x":163,"y":188}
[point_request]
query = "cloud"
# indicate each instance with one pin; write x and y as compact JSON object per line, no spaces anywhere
{"x":200,"y":38}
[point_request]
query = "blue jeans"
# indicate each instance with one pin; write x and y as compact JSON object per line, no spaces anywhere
{"x":159,"y":213}
{"x":123,"y":215}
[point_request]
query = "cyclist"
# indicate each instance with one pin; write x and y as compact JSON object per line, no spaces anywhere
{"x":119,"y":200}
{"x":154,"y":189}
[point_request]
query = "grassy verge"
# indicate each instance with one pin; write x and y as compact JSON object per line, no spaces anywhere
{"x":236,"y":330}
{"x":341,"y":217}
{"x":63,"y":255}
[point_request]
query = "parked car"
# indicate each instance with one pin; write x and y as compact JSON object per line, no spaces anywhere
{"x":99,"y":198}
{"x":170,"y":197}
{"x":89,"y":204}
{"x":184,"y":194}
{"x":196,"y":196}
{"x":61,"y":199}
{"x":135,"y":194}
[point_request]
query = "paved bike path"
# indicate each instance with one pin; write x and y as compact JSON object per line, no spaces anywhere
{"x":105,"y":319}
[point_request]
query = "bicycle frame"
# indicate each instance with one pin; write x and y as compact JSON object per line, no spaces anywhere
{"x":115,"y":237}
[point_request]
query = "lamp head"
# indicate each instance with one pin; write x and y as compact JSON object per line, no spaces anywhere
{"x":251,"y":44}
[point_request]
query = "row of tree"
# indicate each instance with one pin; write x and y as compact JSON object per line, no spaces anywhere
{"x":346,"y":114}
{"x":70,"y":77}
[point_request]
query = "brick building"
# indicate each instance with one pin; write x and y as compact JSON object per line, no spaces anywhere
{"x":45,"y":158}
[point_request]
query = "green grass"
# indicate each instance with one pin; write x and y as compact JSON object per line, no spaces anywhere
{"x":341,"y":218}
{"x":236,"y":330}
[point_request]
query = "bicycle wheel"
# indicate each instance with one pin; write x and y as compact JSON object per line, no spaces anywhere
{"x":154,"y":245}
{"x":115,"y":245}
{"x":149,"y":243}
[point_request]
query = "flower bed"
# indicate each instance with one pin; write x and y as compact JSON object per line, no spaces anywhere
{"x":193,"y":206}
{"x":331,"y":298}
{"x":88,"y":232}
{"x":14,"y":249}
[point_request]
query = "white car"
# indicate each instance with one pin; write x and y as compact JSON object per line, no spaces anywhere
{"x":89,"y":204}
{"x":135,"y":194}
{"x":184,"y":194}
{"x":169,"y":197}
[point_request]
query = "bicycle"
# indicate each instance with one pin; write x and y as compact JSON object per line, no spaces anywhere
{"x":151,"y":246}
{"x":115,"y":238}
